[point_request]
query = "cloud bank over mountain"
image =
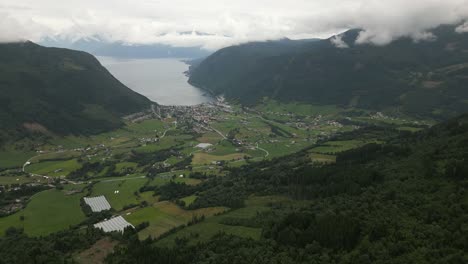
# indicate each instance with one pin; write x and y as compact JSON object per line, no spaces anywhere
{"x":212,"y":24}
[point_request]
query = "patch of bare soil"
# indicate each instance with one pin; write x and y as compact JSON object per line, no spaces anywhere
{"x":97,"y":253}
{"x":36,"y":127}
{"x":431,"y":84}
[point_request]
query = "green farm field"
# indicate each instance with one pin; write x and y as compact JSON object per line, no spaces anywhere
{"x":213,"y":225}
{"x":53,"y":168}
{"x":19,"y":179}
{"x":47,"y":212}
{"x":14,"y":158}
{"x":158,"y":181}
{"x":189,"y":199}
{"x":332,"y":147}
{"x":298,"y":108}
{"x":322,"y":158}
{"x":164,"y":216}
{"x":205,"y":158}
{"x":126,"y":191}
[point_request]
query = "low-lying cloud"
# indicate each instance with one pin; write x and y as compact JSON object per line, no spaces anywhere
{"x":339,"y":42}
{"x":213,"y":24}
{"x":462,"y":28}
{"x":12,"y":30}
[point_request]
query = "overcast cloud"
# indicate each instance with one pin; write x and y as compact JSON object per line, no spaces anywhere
{"x":226,"y":22}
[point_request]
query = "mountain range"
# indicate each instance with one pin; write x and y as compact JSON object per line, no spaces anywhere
{"x":99,"y":47}
{"x":425,"y":78}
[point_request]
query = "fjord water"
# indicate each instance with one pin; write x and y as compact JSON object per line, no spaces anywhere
{"x":161,"y":80}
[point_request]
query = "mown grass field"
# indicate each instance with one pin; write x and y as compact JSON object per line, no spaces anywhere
{"x":149,"y":197}
{"x":19,"y":179}
{"x":121,"y":166}
{"x":211,"y":226}
{"x":332,"y":147}
{"x":54,"y":168}
{"x":278,"y":149}
{"x":207,"y":229}
{"x":227,"y":125}
{"x":205,"y":158}
{"x":147,"y":126}
{"x":410,"y":129}
{"x":47,"y":212}
{"x":322,"y":158}
{"x":70,"y":141}
{"x":126,"y":188}
{"x":14,"y":158}
{"x":164,"y":216}
{"x":403,"y":121}
{"x":223,"y":148}
{"x":189,"y":199}
{"x":210,"y":137}
{"x":169,"y":141}
{"x":158,"y":181}
{"x":298,"y":108}
{"x":62,"y":155}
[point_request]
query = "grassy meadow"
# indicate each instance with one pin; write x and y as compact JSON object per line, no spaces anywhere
{"x":47,"y":212}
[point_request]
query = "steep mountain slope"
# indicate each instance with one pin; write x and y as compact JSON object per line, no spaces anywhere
{"x":61,"y":91}
{"x":426,"y":78}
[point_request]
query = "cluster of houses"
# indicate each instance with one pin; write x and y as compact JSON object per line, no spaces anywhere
{"x":14,"y":205}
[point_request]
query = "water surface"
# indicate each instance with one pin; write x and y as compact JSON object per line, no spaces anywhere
{"x":161,"y":80}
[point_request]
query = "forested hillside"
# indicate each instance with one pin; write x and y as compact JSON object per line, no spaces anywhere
{"x":59,"y":91}
{"x":426,"y":78}
{"x":400,"y":202}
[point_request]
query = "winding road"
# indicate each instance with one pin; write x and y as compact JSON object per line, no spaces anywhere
{"x":264,"y":150}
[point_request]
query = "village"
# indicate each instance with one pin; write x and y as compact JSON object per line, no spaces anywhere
{"x":163,"y":145}
{"x":202,"y":118}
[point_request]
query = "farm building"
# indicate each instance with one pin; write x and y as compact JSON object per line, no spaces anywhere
{"x":117,"y":223}
{"x":98,"y":203}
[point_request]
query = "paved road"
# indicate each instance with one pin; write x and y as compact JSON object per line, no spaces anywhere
{"x":215,"y":130}
{"x":154,"y":111}
{"x":125,"y":178}
{"x":164,"y":134}
{"x":165,"y":131}
{"x":28,"y":162}
{"x":219,"y":132}
{"x":264,"y":150}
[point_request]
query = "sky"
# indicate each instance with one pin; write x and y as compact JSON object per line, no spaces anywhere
{"x":212,"y":24}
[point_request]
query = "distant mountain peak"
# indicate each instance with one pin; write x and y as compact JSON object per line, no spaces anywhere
{"x":100,"y":47}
